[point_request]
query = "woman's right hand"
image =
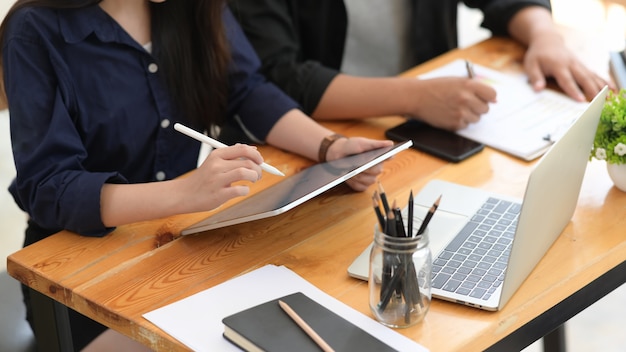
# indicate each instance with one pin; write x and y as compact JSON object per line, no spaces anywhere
{"x":451,"y":103}
{"x":217,"y":180}
{"x":221,"y":177}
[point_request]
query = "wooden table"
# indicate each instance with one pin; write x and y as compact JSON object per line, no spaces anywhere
{"x":143,"y":266}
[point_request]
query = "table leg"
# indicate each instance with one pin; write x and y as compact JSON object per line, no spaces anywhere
{"x":51,"y":324}
{"x":555,"y":340}
{"x":554,"y":318}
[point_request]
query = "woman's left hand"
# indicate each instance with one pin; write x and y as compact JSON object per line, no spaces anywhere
{"x":354,"y":145}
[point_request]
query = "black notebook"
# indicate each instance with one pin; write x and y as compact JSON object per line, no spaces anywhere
{"x":266,"y":327}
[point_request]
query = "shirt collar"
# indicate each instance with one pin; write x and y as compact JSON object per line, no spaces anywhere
{"x":77,"y":24}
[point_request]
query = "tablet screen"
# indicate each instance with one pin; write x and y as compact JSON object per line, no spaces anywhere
{"x":296,"y":189}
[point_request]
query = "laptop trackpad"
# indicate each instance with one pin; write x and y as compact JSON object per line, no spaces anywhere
{"x":442,"y":229}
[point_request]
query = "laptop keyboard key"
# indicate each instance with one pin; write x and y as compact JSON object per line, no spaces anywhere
{"x":478,"y":293}
{"x":463,"y":291}
{"x":451,"y":285}
{"x":440,"y":280}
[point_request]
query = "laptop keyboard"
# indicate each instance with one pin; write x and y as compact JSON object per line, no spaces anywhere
{"x":473,"y":264}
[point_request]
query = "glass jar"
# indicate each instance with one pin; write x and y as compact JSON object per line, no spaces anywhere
{"x":400,"y":279}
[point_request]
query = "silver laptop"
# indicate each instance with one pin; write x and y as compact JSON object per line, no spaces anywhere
{"x":484,"y":244}
{"x":296,"y":189}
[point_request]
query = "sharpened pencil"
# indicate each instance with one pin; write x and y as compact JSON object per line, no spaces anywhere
{"x":379,"y":214}
{"x":383,"y":197}
{"x":305,"y":327}
{"x":391,"y":224}
{"x":429,"y":216}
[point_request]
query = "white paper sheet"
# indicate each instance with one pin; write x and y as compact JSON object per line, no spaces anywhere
{"x":196,"y":321}
{"x":521,"y":119}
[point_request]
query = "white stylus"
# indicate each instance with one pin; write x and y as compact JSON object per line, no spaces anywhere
{"x":217,"y":144}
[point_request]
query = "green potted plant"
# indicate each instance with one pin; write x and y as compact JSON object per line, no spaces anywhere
{"x":610,"y":140}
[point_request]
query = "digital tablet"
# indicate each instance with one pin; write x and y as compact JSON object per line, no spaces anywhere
{"x":296,"y":189}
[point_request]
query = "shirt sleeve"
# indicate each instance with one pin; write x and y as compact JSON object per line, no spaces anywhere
{"x":271,"y":30}
{"x":498,"y":13}
{"x":51,"y":184}
{"x":256,"y":103}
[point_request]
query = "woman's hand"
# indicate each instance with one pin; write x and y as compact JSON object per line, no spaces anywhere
{"x":217,"y":180}
{"x":354,"y":145}
{"x":450,"y":103}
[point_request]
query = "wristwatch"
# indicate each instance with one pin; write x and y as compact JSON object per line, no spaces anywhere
{"x":326,"y":143}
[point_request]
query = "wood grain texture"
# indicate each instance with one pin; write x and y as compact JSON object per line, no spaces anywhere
{"x":143,"y":266}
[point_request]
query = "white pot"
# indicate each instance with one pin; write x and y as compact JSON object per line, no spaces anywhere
{"x":617,"y":172}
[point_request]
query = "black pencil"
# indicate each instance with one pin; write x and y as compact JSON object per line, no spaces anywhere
{"x":383,"y":197}
{"x":387,"y":290}
{"x":429,"y":216}
{"x":399,"y":222}
{"x":379,"y":214}
{"x":410,"y":217}
{"x":390,"y":229}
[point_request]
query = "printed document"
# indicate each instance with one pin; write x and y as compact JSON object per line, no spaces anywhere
{"x":522,"y":122}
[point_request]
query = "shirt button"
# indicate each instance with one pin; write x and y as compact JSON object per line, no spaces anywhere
{"x":153,"y":68}
{"x":160,"y":176}
{"x":165,"y":123}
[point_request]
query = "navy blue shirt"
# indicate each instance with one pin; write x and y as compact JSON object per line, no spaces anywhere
{"x":88,"y":106}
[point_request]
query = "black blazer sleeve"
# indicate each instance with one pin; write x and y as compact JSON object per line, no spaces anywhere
{"x":498,"y":13}
{"x":277,"y":29}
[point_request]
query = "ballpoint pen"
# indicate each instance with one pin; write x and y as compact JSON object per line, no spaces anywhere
{"x":217,"y":144}
{"x":470,"y":69}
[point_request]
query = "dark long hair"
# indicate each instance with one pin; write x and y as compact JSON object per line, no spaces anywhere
{"x":189,"y":40}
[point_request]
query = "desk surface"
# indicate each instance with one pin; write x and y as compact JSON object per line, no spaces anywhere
{"x":143,"y":266}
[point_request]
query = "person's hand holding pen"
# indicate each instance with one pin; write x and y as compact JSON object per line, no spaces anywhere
{"x":217,"y":144}
{"x":216,"y":181}
{"x":452,"y":103}
{"x":219,"y":177}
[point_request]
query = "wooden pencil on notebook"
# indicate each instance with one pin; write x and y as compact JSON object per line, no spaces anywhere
{"x":305,"y":327}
